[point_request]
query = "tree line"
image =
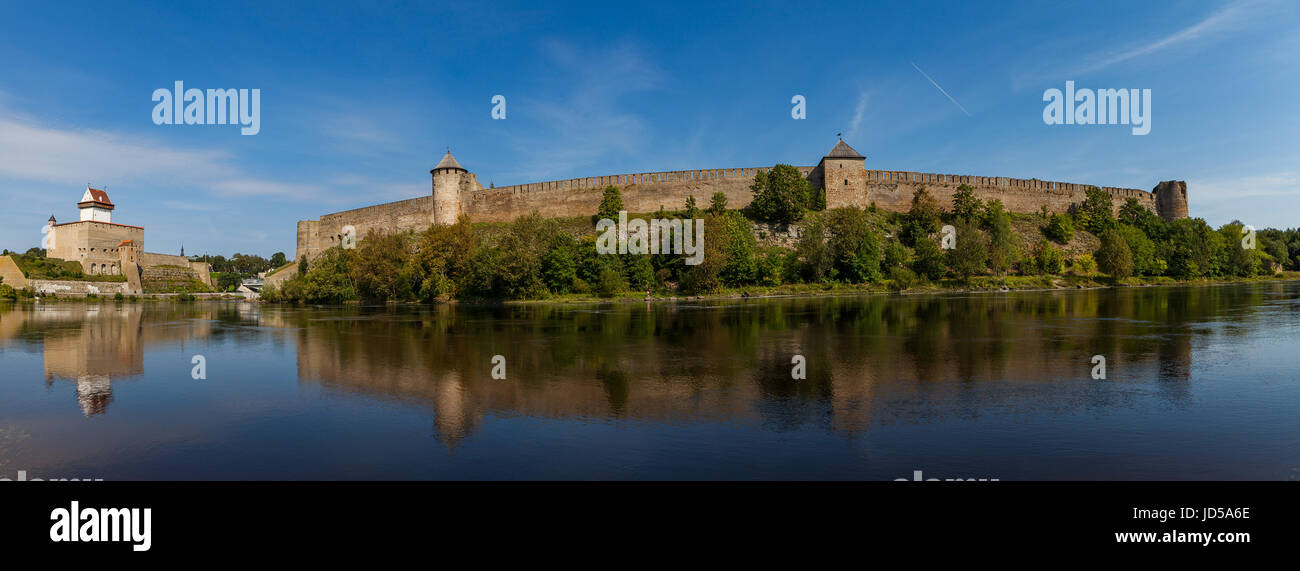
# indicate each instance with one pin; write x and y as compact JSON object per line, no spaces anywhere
{"x":536,"y":258}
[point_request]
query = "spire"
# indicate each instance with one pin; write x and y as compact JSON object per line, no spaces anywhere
{"x":52,"y":220}
{"x":448,"y":162}
{"x":842,"y":150}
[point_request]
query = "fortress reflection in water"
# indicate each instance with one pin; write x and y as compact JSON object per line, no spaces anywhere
{"x":872,"y":361}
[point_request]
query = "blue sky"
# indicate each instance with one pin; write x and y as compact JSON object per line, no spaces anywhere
{"x":359,"y":101}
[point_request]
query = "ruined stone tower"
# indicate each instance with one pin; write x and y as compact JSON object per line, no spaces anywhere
{"x":449,"y":181}
{"x":1171,"y":199}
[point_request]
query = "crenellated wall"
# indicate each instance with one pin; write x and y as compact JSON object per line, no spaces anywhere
{"x":892,"y":190}
{"x":844,"y":180}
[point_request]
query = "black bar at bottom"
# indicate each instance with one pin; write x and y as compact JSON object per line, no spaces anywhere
{"x":561,"y":521}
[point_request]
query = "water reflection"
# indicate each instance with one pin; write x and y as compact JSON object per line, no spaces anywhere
{"x":728,"y":360}
{"x":872,"y":362}
{"x":96,"y":345}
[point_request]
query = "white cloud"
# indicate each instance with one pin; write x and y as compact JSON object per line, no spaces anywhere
{"x":74,"y":157}
{"x":40,"y":154}
{"x":1226,"y":19}
{"x":859,"y":112}
{"x":585,"y":117}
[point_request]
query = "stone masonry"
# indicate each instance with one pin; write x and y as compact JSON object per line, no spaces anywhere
{"x":842,"y":174}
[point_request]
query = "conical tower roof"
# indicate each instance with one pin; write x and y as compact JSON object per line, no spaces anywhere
{"x":448,"y":162}
{"x":842,"y":150}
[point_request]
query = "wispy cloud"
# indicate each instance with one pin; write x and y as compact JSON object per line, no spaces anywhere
{"x":859,"y":112}
{"x":1226,"y":19}
{"x":585,"y":114}
{"x":32,"y":152}
{"x":941,"y":90}
{"x":36,"y":153}
{"x":1269,"y":185}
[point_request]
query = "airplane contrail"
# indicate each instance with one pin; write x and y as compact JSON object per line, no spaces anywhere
{"x":945,"y":93}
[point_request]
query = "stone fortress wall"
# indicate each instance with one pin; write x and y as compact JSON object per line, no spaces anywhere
{"x":841,"y":174}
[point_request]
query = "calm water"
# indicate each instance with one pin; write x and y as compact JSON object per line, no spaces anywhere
{"x":1201,"y":383}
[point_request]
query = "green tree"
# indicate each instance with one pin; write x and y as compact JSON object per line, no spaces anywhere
{"x":707,"y":275}
{"x":738,"y":247}
{"x":1002,"y":243}
{"x":812,"y":252}
{"x":928,"y":259}
{"x":854,"y":245}
{"x":1048,"y":259}
{"x":895,"y":256}
{"x":770,"y":266}
{"x":278,"y":259}
{"x":781,"y":195}
{"x":611,"y":202}
{"x":718,"y":204}
{"x":692,"y":212}
{"x":1143,"y":250}
{"x":1114,"y":256}
{"x":560,"y":263}
{"x":1059,"y":229}
{"x":442,"y":259}
{"x":922,"y":219}
{"x":965,"y":205}
{"x":1237,"y":259}
{"x":380,"y":270}
{"x":1193,"y":249}
{"x":1141,"y":217}
{"x":970,"y":254}
{"x":1097,"y":211}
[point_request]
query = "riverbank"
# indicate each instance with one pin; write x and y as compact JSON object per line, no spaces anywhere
{"x":978,"y":285}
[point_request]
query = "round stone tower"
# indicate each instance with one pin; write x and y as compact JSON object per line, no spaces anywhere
{"x":448,"y":179}
{"x":1171,"y":199}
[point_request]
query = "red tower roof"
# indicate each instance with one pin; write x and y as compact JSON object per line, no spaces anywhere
{"x":97,"y":198}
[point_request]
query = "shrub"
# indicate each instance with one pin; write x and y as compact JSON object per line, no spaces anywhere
{"x":901,"y":278}
{"x":770,"y":266}
{"x":1048,"y":259}
{"x":1085,"y":264}
{"x":1059,"y":229}
{"x":610,"y":282}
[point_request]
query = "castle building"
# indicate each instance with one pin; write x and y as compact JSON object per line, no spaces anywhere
{"x":104,"y":247}
{"x":95,"y":239}
{"x":841,"y":174}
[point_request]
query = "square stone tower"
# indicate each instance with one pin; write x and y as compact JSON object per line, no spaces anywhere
{"x":843,"y":175}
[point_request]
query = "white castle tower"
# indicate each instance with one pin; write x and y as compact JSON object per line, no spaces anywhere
{"x":95,"y":206}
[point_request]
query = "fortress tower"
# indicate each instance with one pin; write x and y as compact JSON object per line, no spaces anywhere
{"x":449,"y":181}
{"x":1171,"y":199}
{"x":841,"y":173}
